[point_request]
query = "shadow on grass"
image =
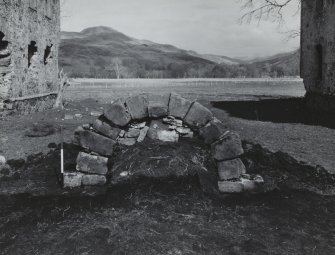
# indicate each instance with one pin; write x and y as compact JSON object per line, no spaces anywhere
{"x":290,"y":110}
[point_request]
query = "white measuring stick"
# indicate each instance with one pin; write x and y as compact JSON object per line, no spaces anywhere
{"x":61,"y":151}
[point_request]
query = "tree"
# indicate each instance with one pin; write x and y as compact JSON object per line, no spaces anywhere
{"x":117,"y":67}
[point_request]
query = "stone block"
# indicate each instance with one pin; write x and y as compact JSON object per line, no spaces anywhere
{"x":143,"y":134}
{"x":231,"y":169}
{"x":117,"y":113}
{"x":213,"y":131}
{"x":228,"y":147}
{"x":198,"y":116}
{"x":231,"y":187}
{"x":94,"y":180}
{"x":159,"y":98}
{"x":94,"y":142}
{"x":72,"y":180}
{"x":105,"y":129}
{"x":178,"y":106}
{"x":156,"y":126}
{"x":168,"y":136}
{"x":160,"y":131}
{"x":253,"y":184}
{"x":172,"y":121}
{"x":138,"y":107}
{"x":127,"y":141}
{"x":133,"y":133}
{"x":157,"y":110}
{"x":2,"y":160}
{"x":90,"y":164}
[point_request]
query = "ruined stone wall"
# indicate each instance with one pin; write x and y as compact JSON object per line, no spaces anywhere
{"x":318,"y":52}
{"x":29,"y":39}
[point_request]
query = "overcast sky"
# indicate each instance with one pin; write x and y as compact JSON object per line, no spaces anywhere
{"x":206,"y":26}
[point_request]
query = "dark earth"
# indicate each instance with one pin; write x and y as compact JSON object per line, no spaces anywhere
{"x":177,"y":214}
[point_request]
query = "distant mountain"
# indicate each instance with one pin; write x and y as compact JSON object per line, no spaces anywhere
{"x":286,"y":63}
{"x":103,"y":52}
{"x":96,"y":51}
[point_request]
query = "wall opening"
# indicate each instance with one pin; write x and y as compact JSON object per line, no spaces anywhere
{"x":3,"y":46}
{"x":32,"y":49}
{"x":47,"y":53}
{"x":318,"y":62}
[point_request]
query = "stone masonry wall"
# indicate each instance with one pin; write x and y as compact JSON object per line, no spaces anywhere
{"x":318,"y":51}
{"x":29,"y":39}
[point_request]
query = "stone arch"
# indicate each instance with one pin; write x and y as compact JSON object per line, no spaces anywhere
{"x":124,"y":123}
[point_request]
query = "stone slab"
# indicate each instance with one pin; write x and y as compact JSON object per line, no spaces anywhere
{"x":178,"y":106}
{"x":231,"y":169}
{"x":90,"y":164}
{"x":137,"y":107}
{"x":72,"y":180}
{"x":117,"y":113}
{"x":93,"y":180}
{"x":143,"y":134}
{"x":231,"y":187}
{"x":127,"y":141}
{"x":198,"y":116}
{"x":133,"y":133}
{"x":213,"y":131}
{"x":105,"y":129}
{"x":228,"y":147}
{"x":157,"y":110}
{"x":94,"y":142}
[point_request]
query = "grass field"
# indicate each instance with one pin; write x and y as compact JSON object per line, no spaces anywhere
{"x":202,"y":89}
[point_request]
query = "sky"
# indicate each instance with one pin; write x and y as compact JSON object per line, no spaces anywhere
{"x":205,"y":26}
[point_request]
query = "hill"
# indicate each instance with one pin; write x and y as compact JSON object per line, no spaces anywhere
{"x":103,"y":52}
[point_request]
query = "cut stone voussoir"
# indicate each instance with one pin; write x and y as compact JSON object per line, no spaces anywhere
{"x":117,"y":113}
{"x":198,"y":116}
{"x":159,"y":98}
{"x":93,"y":180}
{"x":138,"y":107}
{"x":178,"y":106}
{"x":72,"y":180}
{"x":213,"y":131}
{"x":157,"y":110}
{"x":231,"y":169}
{"x":228,"y":147}
{"x":106,"y":129}
{"x":94,"y":142}
{"x":90,"y":164}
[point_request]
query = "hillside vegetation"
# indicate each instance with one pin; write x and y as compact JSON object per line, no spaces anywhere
{"x":102,"y":52}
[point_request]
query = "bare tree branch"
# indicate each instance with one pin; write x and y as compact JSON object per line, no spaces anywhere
{"x":266,"y":9}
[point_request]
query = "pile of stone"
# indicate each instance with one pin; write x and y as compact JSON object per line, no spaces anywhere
{"x":166,"y":118}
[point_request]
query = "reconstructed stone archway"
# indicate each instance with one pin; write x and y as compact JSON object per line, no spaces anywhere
{"x":171,"y":117}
